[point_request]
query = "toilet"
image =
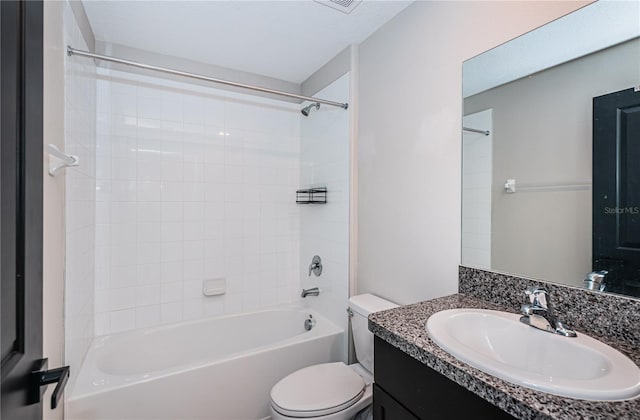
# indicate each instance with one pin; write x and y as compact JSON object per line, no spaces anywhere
{"x":333,"y":391}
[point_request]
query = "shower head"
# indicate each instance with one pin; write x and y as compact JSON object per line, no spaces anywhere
{"x":307,"y":109}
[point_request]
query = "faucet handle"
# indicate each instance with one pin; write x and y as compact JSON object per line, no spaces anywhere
{"x":597,"y":276}
{"x":538,"y":297}
{"x":316,"y":266}
{"x":595,"y":280}
{"x":529,"y":310}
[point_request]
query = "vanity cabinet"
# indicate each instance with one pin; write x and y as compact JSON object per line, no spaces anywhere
{"x":385,"y":407}
{"x":406,"y":389}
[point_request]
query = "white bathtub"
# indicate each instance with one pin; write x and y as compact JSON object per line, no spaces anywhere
{"x":217,"y":368}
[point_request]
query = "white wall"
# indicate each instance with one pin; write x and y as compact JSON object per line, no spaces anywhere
{"x":193,"y":183}
{"x":53,"y":195}
{"x":80,"y":186}
{"x":410,"y":114}
{"x":324,"y":228}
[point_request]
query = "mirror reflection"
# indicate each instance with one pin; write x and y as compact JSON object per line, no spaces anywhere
{"x":551,"y":153}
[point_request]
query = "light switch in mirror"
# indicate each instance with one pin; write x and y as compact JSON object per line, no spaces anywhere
{"x":551,"y":145}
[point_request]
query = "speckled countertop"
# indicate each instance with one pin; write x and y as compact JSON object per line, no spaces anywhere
{"x":404,"y":328}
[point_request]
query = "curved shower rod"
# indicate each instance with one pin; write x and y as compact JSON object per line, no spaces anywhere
{"x":72,"y":51}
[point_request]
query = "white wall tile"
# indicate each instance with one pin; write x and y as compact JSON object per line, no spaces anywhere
{"x":102,"y":323}
{"x":122,"y":190}
{"x":476,"y":206}
{"x":192,"y":309}
{"x":148,"y":295}
{"x":172,"y":191}
{"x":82,"y":253}
{"x":172,"y":271}
{"x":171,"y":106}
{"x":193,"y":250}
{"x":149,"y":253}
{"x":172,"y":170}
{"x":172,"y":231}
{"x":193,"y":231}
{"x":124,"y":104}
{"x":171,"y":292}
{"x":123,"y":298}
{"x":171,"y":312}
{"x":193,"y":191}
{"x":186,"y":193}
{"x":122,"y":320}
{"x":147,"y":316}
{"x":193,"y":211}
{"x":149,"y":191}
{"x":149,"y":212}
{"x":149,"y":107}
{"x":323,"y":230}
{"x":172,"y":212}
{"x":149,"y":232}
{"x":149,"y":274}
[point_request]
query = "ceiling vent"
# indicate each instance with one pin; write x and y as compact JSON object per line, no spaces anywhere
{"x":345,"y":6}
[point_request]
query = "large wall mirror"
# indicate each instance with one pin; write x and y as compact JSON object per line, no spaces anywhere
{"x":551,"y":152}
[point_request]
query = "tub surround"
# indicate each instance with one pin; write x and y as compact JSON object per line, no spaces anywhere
{"x":80,"y":101}
{"x":193,"y":183}
{"x":404,"y":328}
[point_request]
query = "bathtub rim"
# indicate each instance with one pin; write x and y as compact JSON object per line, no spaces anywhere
{"x":84,"y":385}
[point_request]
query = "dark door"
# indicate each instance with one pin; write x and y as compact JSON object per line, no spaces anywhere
{"x":616,"y":190}
{"x":20,"y":204}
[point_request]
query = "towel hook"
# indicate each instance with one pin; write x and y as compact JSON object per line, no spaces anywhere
{"x":62,"y":159}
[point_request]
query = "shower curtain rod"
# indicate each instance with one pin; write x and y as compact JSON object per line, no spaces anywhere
{"x":72,"y":51}
{"x":475,"y":130}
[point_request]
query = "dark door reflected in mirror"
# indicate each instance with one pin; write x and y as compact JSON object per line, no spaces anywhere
{"x":616,"y":190}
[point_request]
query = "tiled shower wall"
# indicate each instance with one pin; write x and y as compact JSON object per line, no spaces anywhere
{"x":477,"y":175}
{"x":193,"y":183}
{"x":80,"y":183}
{"x":325,"y":227}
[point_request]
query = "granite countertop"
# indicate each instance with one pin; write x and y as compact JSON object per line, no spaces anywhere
{"x":404,"y":328}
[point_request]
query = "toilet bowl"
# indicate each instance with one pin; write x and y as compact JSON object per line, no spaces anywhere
{"x":333,"y":391}
{"x":329,"y":391}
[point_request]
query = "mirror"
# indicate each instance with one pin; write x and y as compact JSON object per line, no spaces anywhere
{"x":551,"y":152}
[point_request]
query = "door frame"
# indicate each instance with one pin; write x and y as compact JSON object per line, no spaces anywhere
{"x":21,"y":35}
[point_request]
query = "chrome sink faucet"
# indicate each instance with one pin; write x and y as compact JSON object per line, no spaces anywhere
{"x":539,"y":313}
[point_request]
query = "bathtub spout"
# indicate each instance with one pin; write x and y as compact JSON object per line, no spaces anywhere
{"x":310,"y":292}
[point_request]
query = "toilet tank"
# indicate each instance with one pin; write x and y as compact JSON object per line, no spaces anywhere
{"x":362,"y":306}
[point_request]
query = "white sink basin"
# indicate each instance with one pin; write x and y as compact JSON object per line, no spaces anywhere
{"x":499,"y":344}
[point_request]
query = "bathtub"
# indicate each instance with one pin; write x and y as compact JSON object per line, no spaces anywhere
{"x":217,"y":368}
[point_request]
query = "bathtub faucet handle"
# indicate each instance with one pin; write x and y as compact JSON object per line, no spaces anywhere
{"x":316,"y":266}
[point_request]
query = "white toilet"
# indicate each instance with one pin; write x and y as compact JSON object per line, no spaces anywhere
{"x":333,"y":391}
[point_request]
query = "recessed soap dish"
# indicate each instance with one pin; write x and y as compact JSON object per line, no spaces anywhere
{"x":214,"y":287}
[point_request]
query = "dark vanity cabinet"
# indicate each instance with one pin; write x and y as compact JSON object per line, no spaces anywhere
{"x":406,"y":389}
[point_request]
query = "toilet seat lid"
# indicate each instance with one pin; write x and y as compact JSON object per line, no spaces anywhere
{"x":317,"y":390}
